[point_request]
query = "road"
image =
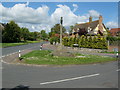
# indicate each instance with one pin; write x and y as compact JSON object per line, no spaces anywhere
{"x":9,"y":50}
{"x":104,"y":75}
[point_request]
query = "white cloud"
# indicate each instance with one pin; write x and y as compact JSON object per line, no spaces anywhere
{"x":39,"y":19}
{"x":21,"y":13}
{"x":75,"y":7}
{"x":94,"y":13}
{"x":69,"y":18}
{"x":112,"y":24}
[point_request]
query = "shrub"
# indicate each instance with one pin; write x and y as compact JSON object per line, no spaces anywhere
{"x":55,"y":40}
{"x":95,"y":42}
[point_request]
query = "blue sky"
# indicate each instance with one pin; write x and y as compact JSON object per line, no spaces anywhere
{"x":78,"y":12}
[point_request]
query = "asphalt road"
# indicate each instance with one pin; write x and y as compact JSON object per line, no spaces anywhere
{"x":76,"y":76}
{"x":104,"y":75}
{"x":9,"y":50}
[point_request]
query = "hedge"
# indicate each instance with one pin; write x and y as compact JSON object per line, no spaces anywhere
{"x":94,"y":42}
{"x":54,"y":40}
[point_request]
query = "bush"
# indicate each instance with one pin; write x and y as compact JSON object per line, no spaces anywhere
{"x":55,"y":40}
{"x":95,"y":42}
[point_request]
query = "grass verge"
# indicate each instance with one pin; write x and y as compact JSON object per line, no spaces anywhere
{"x":3,"y":45}
{"x":45,"y":57}
{"x":110,"y":52}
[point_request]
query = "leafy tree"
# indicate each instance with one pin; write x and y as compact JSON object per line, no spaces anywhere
{"x":24,"y":33}
{"x":44,"y":35}
{"x":71,"y":28}
{"x":33,"y":36}
{"x":11,"y":33}
{"x":56,"y":29}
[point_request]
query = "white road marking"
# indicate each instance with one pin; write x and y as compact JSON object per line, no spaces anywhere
{"x":14,"y":53}
{"x":69,"y":79}
{"x":118,"y":70}
{"x":2,"y":56}
{"x":4,"y":62}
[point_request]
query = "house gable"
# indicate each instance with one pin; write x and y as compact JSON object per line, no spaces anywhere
{"x":103,"y":30}
{"x":91,"y":27}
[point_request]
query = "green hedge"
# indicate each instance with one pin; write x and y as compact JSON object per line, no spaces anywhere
{"x":54,"y":39}
{"x":95,"y":42}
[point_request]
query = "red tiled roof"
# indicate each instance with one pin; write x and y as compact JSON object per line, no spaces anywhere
{"x":114,"y":31}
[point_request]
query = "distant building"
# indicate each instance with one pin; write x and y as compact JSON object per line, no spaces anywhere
{"x":90,"y":28}
{"x":115,"y":31}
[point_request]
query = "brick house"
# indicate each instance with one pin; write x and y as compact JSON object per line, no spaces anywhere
{"x":90,"y":28}
{"x":115,"y":31}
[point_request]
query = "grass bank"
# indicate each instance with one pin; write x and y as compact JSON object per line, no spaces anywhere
{"x":45,"y":57}
{"x":110,"y":52}
{"x":17,"y":44}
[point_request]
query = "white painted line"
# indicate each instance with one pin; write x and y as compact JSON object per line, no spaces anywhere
{"x":3,"y":56}
{"x":118,"y":70}
{"x":4,"y":62}
{"x":17,"y":52}
{"x":69,"y":79}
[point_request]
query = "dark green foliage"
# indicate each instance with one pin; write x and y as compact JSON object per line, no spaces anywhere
{"x":113,"y":40}
{"x":11,"y":33}
{"x":95,"y":42}
{"x":110,"y":38}
{"x":56,"y":29}
{"x":66,"y":41}
{"x":44,"y":35}
{"x":14,"y":34}
{"x":54,"y":40}
{"x":24,"y":33}
{"x":71,"y":42}
{"x":32,"y":36}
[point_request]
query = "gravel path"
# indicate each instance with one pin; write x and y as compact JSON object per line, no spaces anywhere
{"x":79,"y":50}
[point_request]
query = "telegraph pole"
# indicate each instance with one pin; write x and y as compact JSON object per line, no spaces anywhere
{"x":61,"y":22}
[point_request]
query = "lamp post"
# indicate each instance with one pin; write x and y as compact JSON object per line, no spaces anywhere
{"x":61,"y":22}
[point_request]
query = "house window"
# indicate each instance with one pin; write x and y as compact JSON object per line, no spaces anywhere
{"x":89,"y":29}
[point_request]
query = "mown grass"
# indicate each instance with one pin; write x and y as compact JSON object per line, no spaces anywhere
{"x":3,"y":45}
{"x":110,"y":52}
{"x":45,"y":57}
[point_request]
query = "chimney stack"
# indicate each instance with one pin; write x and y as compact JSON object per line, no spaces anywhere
{"x":90,"y":19}
{"x":100,"y":27}
{"x":100,"y":19}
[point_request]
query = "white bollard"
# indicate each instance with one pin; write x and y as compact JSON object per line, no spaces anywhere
{"x":19,"y":53}
{"x":117,"y":54}
{"x":40,"y":47}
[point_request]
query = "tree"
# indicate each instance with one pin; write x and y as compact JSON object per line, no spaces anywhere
{"x":71,"y":29}
{"x":24,"y":33}
{"x":44,"y":35}
{"x":56,"y":29}
{"x":33,"y":36}
{"x":11,"y":33}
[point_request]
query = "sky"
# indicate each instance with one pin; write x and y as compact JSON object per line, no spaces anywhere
{"x":37,"y":16}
